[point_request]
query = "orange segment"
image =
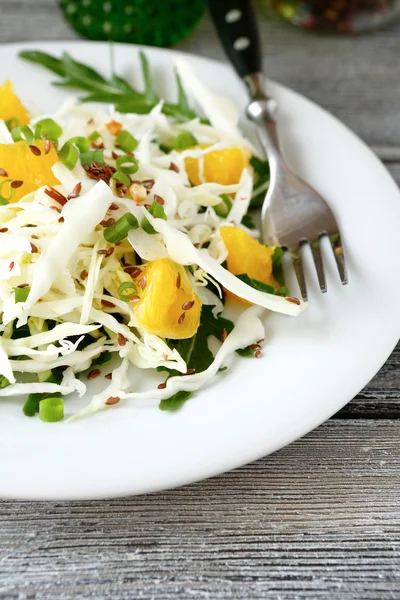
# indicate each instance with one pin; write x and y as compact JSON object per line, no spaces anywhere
{"x":220,"y":166}
{"x":247,"y":255}
{"x":11,"y":106}
{"x":21,"y":164}
{"x":168,"y":307}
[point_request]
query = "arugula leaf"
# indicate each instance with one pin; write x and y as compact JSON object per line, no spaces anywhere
{"x":175,"y":401}
{"x":149,"y":91}
{"x":41,"y":58}
{"x":248,"y":222}
{"x":256,"y":284}
{"x":277,"y":269}
{"x":261,"y":180}
{"x":116,"y":90}
{"x":195,"y":351}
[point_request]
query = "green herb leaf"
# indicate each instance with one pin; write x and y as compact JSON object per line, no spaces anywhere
{"x":149,"y":91}
{"x":248,"y":222}
{"x":116,"y":90}
{"x":195,"y":350}
{"x":245,"y":352}
{"x":103,"y":359}
{"x":257,"y":285}
{"x":21,"y":294}
{"x":175,"y":401}
{"x":277,"y":269}
{"x":261,"y":180}
{"x":41,"y":58}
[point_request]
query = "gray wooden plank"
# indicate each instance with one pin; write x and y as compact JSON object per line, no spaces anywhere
{"x":356,"y":78}
{"x":318,"y":520}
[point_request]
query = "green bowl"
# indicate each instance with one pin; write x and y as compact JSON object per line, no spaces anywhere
{"x":149,"y":22}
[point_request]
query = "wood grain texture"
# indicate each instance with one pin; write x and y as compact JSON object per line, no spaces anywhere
{"x":356,"y":78}
{"x":317,"y":520}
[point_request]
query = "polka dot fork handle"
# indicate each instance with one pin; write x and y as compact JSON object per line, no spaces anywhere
{"x":235,"y":22}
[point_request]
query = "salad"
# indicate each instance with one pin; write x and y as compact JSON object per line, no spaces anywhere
{"x":125,"y":232}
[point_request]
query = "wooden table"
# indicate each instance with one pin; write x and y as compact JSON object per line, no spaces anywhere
{"x":317,"y":520}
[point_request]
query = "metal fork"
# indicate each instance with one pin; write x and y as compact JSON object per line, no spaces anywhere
{"x":293,"y":213}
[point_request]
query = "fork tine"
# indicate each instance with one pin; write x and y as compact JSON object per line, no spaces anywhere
{"x":316,"y":252}
{"x":339,"y":257}
{"x":298,"y":267}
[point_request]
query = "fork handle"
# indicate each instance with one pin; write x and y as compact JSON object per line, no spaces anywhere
{"x":235,"y":21}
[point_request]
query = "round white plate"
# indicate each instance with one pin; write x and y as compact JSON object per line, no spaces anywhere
{"x":312,"y":365}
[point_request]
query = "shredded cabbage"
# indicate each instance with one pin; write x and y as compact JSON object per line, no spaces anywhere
{"x":61,"y":305}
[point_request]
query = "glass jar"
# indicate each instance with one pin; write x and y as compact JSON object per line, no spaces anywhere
{"x":342,"y":16}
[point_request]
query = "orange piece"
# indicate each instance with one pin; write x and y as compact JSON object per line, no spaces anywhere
{"x":247,"y":255}
{"x":168,"y":307}
{"x":11,"y":106}
{"x":220,"y":166}
{"x":20,"y":164}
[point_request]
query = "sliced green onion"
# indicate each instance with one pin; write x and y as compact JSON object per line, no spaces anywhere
{"x":3,"y":199}
{"x":123,"y":294}
{"x":69,"y":155}
{"x":21,"y":294}
{"x":223,"y":208}
{"x":11,"y":123}
{"x":183,"y":141}
{"x":120,"y":229}
{"x":3,"y":382}
{"x":94,"y":136}
{"x":127,"y":164}
{"x":81,"y":143}
{"x":126,"y":141}
{"x":93,"y":156}
{"x":47,"y":129}
{"x":24,"y":133}
{"x":104,"y":358}
{"x":157,"y":211}
{"x":51,"y":410}
{"x":122,"y":177}
{"x":147,"y":226}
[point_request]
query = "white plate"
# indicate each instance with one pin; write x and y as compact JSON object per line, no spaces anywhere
{"x":312,"y":365}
